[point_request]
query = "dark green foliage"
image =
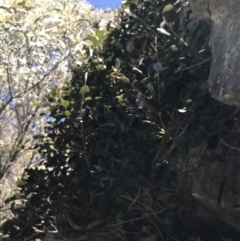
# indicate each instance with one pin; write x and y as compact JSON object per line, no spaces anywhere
{"x":111,"y":166}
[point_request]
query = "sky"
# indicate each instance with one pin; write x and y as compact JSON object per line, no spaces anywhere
{"x":105,"y":3}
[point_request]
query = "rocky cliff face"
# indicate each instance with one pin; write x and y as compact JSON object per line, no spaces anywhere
{"x":216,"y":183}
{"x":224,"y":84}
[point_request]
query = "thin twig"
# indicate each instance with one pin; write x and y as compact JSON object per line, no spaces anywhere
{"x":82,"y":127}
{"x":139,"y":190}
{"x":134,"y":219}
{"x":192,"y":66}
{"x":231,"y":147}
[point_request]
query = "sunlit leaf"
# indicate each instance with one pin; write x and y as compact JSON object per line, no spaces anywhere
{"x":118,"y":64}
{"x":65,"y":103}
{"x":88,"y":98}
{"x":67,"y":113}
{"x":163,"y":31}
{"x":184,"y":110}
{"x":84,"y":89}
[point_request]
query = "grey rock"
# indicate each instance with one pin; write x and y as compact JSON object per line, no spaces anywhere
{"x":223,"y":82}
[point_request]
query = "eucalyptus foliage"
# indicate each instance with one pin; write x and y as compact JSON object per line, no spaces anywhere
{"x":38,"y":41}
